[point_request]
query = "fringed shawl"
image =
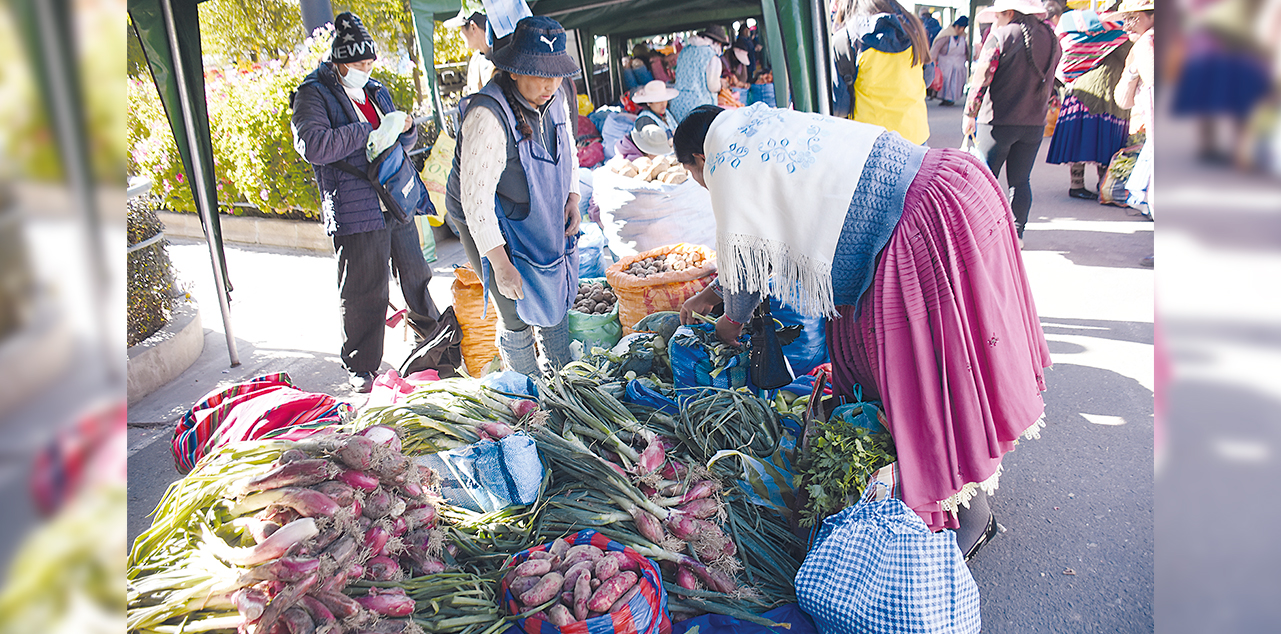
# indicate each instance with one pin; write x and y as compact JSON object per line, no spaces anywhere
{"x":781,"y":183}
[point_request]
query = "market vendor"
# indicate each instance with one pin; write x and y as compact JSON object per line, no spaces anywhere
{"x":652,"y":135}
{"x":911,"y":253}
{"x":513,"y":193}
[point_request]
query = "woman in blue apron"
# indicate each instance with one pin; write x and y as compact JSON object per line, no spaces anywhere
{"x":513,"y":193}
{"x":655,"y":124}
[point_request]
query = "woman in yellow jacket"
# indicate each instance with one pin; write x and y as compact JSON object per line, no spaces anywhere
{"x":880,"y":50}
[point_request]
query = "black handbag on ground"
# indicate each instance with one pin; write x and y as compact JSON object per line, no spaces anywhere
{"x":441,"y":348}
{"x":769,"y":369}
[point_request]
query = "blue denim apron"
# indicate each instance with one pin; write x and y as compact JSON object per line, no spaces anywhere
{"x":546,"y":259}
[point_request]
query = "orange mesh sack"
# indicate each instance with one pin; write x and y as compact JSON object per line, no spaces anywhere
{"x":480,"y":331}
{"x":689,"y":268}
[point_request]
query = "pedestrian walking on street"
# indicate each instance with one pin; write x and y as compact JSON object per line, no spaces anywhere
{"x":513,"y":193}
{"x":1092,"y":127}
{"x":336,"y":108}
{"x":1136,"y":90}
{"x":879,"y":51}
{"x":951,"y":52}
{"x":914,"y":260}
{"x":932,"y":30}
{"x":1010,"y":95}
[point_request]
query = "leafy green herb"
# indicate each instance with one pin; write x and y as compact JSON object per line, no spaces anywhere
{"x":842,"y":458}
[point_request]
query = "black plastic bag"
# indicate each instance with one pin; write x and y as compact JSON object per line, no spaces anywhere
{"x":441,"y":348}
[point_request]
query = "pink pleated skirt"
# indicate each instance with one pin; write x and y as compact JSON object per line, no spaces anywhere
{"x":947,"y":336}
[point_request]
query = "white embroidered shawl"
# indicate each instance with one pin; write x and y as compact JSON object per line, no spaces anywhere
{"x":781,"y":182}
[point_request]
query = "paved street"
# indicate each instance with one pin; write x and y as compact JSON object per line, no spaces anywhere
{"x":1075,"y":551}
{"x":1076,"y":506}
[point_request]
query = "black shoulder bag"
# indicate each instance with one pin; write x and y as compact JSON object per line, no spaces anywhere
{"x":404,"y":175}
{"x":769,"y":369}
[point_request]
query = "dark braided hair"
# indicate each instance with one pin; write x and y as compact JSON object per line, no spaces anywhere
{"x":691,"y":134}
{"x":509,"y":91}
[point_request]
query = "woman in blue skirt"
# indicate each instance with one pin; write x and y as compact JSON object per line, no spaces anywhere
{"x":1091,"y":126}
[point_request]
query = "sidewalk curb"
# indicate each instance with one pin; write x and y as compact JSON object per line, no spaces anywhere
{"x":271,"y":232}
{"x":167,"y":353}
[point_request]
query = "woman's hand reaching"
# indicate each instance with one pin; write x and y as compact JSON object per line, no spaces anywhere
{"x":728,"y":331}
{"x":702,"y":303}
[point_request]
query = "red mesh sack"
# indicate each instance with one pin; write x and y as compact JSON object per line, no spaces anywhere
{"x":646,"y":613}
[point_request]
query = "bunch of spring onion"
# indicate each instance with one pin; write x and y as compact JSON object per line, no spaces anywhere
{"x":265,"y":536}
{"x":651,"y":491}
{"x":65,"y":576}
{"x":481,"y":542}
{"x":454,"y":602}
{"x":448,"y":414}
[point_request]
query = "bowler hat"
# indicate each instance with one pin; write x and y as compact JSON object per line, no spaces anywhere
{"x":716,"y":32}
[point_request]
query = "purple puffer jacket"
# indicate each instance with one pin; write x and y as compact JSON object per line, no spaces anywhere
{"x":327,"y":129}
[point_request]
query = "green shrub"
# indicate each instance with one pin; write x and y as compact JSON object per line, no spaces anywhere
{"x":150,"y":273}
{"x":254,"y":157}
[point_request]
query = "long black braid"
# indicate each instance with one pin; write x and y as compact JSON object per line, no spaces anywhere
{"x":509,"y":92}
{"x":1024,"y":21}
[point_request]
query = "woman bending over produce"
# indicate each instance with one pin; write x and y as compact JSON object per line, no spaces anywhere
{"x":913,"y":259}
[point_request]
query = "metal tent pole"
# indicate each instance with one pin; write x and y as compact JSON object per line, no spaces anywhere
{"x":69,"y":129}
{"x":202,"y":188}
{"x":822,"y":59}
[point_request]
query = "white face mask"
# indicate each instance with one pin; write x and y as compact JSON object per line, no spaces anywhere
{"x":355,"y":78}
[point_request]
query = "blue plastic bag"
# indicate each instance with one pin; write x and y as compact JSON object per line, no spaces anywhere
{"x":487,"y":476}
{"x":508,"y":382}
{"x":692,"y":366}
{"x":641,"y":394}
{"x":809,"y":349}
{"x":789,"y":614}
{"x":591,"y":247}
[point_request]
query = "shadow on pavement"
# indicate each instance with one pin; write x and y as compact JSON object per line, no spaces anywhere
{"x":1077,"y":508}
{"x":1091,"y":248}
{"x":1131,"y":331}
{"x":1217,"y":518}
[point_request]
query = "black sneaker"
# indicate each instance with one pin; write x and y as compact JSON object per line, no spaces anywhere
{"x":361,"y":382}
{"x":1147,"y":262}
{"x":1083,"y":194}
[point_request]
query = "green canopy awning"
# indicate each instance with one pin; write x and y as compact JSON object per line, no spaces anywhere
{"x":169,"y":31}
{"x":791,"y":28}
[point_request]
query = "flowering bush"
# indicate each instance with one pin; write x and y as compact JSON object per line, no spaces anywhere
{"x":254,"y":157}
{"x":150,"y":273}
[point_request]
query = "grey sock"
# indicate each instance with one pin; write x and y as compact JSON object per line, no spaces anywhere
{"x":1078,"y":175}
{"x":554,"y":342}
{"x":517,"y":350}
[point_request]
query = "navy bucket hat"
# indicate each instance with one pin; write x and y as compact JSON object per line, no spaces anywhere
{"x":537,"y":48}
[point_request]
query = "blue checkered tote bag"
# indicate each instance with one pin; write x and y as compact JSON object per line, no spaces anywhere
{"x":876,"y":568}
